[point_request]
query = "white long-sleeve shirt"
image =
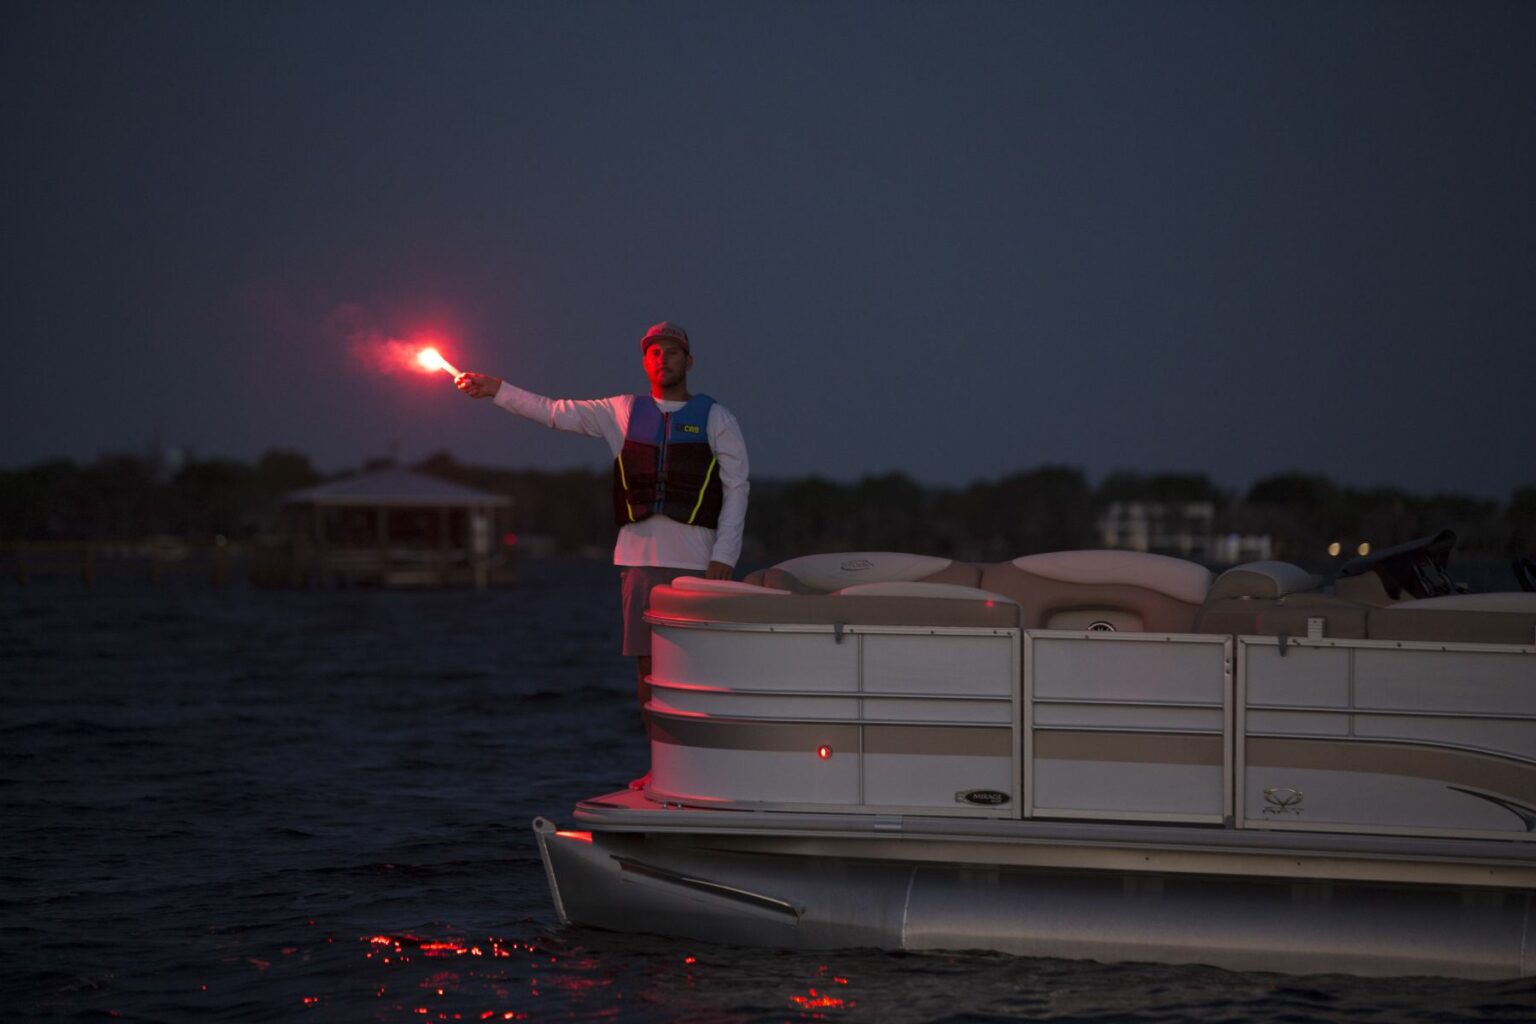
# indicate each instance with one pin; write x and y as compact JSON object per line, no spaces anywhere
{"x":657,"y":540}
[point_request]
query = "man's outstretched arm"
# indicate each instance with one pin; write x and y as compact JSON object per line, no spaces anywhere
{"x":597,"y":417}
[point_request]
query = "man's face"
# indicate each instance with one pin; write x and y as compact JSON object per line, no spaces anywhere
{"x":666,"y":364}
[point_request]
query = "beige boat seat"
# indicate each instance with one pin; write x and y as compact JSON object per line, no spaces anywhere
{"x":741,"y":588}
{"x":1102,"y":590}
{"x":830,"y":573}
{"x":1272,"y":598}
{"x":924,"y":589}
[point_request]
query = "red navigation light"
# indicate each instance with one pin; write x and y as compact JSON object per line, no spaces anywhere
{"x":580,"y":837}
{"x":824,"y":752}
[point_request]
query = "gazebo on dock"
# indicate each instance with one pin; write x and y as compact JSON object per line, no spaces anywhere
{"x":396,"y":528}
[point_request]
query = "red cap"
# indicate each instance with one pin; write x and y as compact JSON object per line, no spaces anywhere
{"x":666,"y":330}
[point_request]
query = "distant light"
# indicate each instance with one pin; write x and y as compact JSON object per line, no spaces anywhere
{"x":824,"y":752}
{"x":1334,"y":549}
{"x":509,"y":539}
{"x":1364,"y":548}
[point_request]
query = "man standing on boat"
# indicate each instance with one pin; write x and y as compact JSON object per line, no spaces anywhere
{"x":679,"y":476}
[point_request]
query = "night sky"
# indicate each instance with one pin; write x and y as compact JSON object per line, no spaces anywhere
{"x":957,"y":240}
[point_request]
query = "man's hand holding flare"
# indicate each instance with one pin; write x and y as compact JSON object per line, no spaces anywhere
{"x":477,"y":385}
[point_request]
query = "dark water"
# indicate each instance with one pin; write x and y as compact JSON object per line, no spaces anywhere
{"x":236,"y":805}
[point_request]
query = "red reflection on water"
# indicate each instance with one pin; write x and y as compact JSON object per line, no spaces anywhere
{"x":815,"y":999}
{"x":440,"y":981}
{"x":443,"y":948}
{"x":398,"y":951}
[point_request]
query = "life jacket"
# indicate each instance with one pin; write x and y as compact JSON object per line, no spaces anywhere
{"x":667,"y":466}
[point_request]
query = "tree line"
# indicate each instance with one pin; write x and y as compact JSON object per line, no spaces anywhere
{"x":128,"y":497}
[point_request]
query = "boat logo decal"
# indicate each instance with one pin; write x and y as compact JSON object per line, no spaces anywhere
{"x":857,"y":565}
{"x":1283,"y":800}
{"x":984,"y":797}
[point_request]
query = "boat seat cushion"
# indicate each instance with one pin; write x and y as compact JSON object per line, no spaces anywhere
{"x":777,"y":579}
{"x":1262,"y":580}
{"x":950,"y":591}
{"x":1160,"y":594}
{"x":829,"y":573}
{"x":1184,"y":581}
{"x":709,"y":586}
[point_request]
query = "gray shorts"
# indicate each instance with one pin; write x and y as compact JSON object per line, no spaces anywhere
{"x":635,"y":583}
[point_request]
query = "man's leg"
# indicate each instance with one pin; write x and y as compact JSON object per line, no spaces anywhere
{"x":637,"y":583}
{"x":643,"y":694}
{"x":643,"y":686}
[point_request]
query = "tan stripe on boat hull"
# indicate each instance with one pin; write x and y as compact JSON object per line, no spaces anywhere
{"x":737,"y":734}
{"x":1147,"y":748}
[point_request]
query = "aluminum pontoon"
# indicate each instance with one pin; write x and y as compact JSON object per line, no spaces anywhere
{"x":1084,"y":754}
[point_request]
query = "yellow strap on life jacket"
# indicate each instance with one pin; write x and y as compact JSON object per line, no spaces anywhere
{"x":703,"y":488}
{"x":629,"y":509}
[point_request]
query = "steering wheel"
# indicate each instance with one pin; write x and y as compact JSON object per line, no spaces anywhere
{"x":1525,"y":572}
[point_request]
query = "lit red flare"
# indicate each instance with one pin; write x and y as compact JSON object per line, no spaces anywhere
{"x":432,"y":359}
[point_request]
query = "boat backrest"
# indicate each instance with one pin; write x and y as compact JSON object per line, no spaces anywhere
{"x":829,"y":573}
{"x":1268,"y":579}
{"x":701,"y":585}
{"x":1126,"y":591}
{"x":1120,"y":590}
{"x":1272,"y":598}
{"x":1276,"y":598}
{"x":1501,"y":618}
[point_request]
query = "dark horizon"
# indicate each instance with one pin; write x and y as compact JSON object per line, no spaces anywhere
{"x":170,"y":460}
{"x":1295,"y":517}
